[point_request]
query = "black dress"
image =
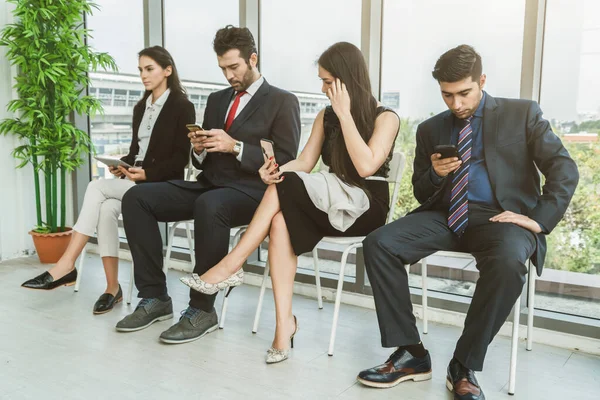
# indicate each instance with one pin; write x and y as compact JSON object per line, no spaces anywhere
{"x":306,"y":224}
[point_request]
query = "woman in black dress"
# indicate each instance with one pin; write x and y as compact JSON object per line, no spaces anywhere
{"x":355,"y":138}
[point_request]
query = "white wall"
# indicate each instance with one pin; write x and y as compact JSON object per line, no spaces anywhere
{"x":17,"y":193}
{"x":16,"y":186}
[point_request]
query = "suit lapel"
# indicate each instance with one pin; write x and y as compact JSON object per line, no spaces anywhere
{"x":223,"y":106}
{"x":490,"y":132}
{"x":255,"y":102}
{"x":445,"y":136}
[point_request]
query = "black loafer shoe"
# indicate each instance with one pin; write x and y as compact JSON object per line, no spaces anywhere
{"x":45,"y":281}
{"x":400,"y":366}
{"x":107,"y":301}
{"x":462,"y":383}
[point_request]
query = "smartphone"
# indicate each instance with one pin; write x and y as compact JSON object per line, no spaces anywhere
{"x":446,"y":150}
{"x":195,"y":128}
{"x":268,"y":149}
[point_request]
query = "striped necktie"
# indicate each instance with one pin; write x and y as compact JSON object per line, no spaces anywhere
{"x":459,"y":203}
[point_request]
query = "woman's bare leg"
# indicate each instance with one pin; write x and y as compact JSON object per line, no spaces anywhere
{"x":283,"y":263}
{"x":254,"y":236}
{"x":111,"y":269}
{"x":67,"y":262}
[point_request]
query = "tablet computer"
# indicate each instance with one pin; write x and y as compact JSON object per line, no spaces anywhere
{"x":112,"y":161}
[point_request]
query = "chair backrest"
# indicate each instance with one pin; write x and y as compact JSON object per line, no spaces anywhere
{"x":397,"y":166}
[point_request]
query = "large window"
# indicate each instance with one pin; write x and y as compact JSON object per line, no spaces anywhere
{"x":293,"y":36}
{"x":415,"y":34}
{"x":569,"y":99}
{"x":190,"y":27}
{"x":118,"y":28}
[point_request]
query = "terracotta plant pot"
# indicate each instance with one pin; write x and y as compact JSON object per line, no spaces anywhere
{"x":51,"y":246}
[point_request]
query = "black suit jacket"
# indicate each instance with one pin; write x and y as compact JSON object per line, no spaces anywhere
{"x":272,"y":113}
{"x":517,"y":142}
{"x":169,"y":146}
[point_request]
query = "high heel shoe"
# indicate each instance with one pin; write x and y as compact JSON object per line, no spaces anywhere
{"x":199,"y":285}
{"x":276,"y":355}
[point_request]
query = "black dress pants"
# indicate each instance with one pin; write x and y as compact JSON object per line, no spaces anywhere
{"x":215,"y":210}
{"x":500,"y":249}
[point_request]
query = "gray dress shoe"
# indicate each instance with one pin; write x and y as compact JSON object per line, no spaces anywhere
{"x":146,"y":313}
{"x":193,"y":324}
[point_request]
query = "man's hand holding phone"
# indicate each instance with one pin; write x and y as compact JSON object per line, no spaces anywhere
{"x":218,"y":141}
{"x":444,"y":166}
{"x":197,"y":136}
{"x":445,"y":160}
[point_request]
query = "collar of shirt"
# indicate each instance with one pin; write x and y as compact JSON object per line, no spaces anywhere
{"x":160,"y":101}
{"x":479,"y":111}
{"x":252,"y":89}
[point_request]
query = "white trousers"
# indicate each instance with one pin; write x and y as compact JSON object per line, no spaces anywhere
{"x":100,"y":213}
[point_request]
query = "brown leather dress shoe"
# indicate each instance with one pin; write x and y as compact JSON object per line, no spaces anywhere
{"x":400,"y":366}
{"x":462,"y":383}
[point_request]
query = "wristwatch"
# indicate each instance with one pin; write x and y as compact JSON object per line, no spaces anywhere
{"x":237,"y":148}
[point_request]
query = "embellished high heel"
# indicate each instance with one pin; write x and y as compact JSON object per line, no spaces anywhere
{"x":276,"y":355}
{"x":199,"y":285}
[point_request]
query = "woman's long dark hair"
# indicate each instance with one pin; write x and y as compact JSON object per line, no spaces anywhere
{"x":345,"y":61}
{"x":163,"y":58}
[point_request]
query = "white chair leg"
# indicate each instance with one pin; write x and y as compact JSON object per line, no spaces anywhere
{"x":263,"y":287}
{"x":424,"y":292}
{"x":513,"y":347}
{"x":530,"y":306}
{"x":317,"y":278}
{"x":131,"y":280}
{"x":338,"y":299}
{"x":80,"y":269}
{"x":236,"y":240}
{"x":169,"y":246}
{"x":224,"y":307}
{"x":188,"y":233}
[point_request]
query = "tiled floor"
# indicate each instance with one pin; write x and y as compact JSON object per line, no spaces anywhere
{"x":52,"y":347}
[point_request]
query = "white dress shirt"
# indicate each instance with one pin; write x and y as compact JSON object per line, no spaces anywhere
{"x":244,"y":100}
{"x":148,"y":121}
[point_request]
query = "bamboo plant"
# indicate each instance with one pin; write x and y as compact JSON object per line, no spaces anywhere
{"x":47,"y":43}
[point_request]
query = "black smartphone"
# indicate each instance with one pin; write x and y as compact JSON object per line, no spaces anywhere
{"x":268,"y":149}
{"x":446,"y":150}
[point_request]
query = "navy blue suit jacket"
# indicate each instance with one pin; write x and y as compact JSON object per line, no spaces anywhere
{"x":517,"y":143}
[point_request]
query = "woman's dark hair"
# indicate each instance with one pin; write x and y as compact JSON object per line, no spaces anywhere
{"x":345,"y":61}
{"x":163,"y":58}
{"x":230,"y":37}
{"x":457,"y":64}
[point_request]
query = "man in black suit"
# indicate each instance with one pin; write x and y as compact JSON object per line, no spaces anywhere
{"x":485,"y":200}
{"x":226,"y":193}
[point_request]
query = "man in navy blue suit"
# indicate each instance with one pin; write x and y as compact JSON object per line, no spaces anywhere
{"x":485,"y":199}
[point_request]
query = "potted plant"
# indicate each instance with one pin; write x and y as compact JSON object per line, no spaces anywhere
{"x":48,"y":45}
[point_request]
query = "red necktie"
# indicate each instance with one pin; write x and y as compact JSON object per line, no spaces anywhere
{"x":233,"y":110}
